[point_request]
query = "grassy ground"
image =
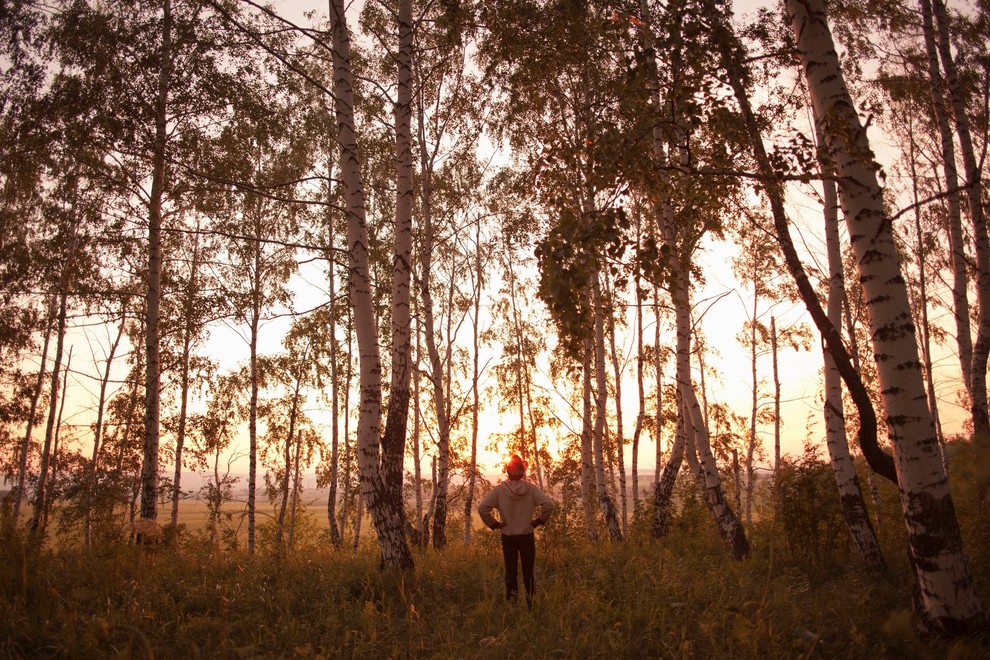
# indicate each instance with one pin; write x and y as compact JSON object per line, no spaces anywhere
{"x":680,"y":599}
{"x":802,"y":593}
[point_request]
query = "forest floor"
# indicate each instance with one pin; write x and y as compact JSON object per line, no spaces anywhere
{"x":803,"y":592}
{"x":682,"y":597}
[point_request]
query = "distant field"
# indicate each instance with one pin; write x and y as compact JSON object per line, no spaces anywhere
{"x":193,"y":513}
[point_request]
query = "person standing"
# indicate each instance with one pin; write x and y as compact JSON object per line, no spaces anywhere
{"x":516,"y":500}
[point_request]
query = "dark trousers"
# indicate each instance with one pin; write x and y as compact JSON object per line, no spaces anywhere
{"x":514,"y":548}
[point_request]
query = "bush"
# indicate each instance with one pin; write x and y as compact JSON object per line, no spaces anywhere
{"x":807,"y":510}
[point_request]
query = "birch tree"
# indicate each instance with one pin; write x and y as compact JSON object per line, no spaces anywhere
{"x":973,"y":186}
{"x":947,"y":599}
{"x":850,"y":493}
{"x":381,"y":467}
{"x":679,"y":242}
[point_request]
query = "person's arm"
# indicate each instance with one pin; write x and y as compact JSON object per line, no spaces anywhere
{"x":488,"y":503}
{"x":541,"y":500}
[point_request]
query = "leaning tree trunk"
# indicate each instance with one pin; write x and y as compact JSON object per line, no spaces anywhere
{"x":843,"y":469}
{"x":946,"y":595}
{"x":878,"y":460}
{"x":381,"y":484}
{"x":149,"y":468}
{"x":729,"y":527}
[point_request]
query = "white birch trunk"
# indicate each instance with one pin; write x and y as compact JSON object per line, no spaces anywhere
{"x":658,"y":365}
{"x":378,"y":492}
{"x":475,"y":393}
{"x":149,"y":468}
{"x":336,"y":538}
{"x":776,"y":394}
{"x":619,"y":438}
{"x":436,"y":373}
{"x":946,"y":596}
{"x":664,"y":488}
{"x":289,"y":436}
{"x":957,"y":245}
{"x":729,"y":527}
{"x":601,"y":401}
{"x":587,"y":460}
{"x":253,"y":400}
{"x":922,"y":310}
{"x":640,"y":384}
{"x":977,"y":214}
{"x":56,"y":445}
{"x":754,"y":403}
{"x":294,"y":505}
{"x":843,"y":469}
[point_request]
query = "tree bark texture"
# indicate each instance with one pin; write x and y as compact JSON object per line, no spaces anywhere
{"x":946,"y":595}
{"x":383,"y":495}
{"x":149,"y":468}
{"x":854,"y":510}
{"x":977,"y":214}
{"x":601,"y":401}
{"x":957,"y":244}
{"x":881,"y":462}
{"x":587,"y":453}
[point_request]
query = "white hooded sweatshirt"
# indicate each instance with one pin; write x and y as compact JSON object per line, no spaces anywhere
{"x":516,"y":501}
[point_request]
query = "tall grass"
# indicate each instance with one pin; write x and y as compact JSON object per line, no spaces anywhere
{"x":682,"y":597}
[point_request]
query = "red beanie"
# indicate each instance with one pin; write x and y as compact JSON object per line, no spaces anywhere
{"x":516,"y":467}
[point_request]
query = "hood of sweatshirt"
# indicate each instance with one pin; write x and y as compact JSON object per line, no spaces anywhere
{"x":517,"y":488}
